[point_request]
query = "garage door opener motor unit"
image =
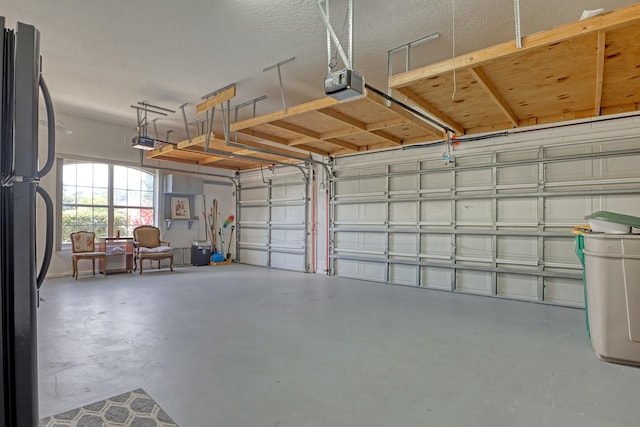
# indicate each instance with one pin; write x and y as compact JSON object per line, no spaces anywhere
{"x":344,"y":84}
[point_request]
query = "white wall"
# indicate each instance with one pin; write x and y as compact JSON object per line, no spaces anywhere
{"x":91,"y":139}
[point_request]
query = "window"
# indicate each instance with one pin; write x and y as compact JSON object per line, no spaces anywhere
{"x":105,"y":199}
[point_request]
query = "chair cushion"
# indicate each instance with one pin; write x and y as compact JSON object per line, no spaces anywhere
{"x":156,"y":250}
{"x":89,"y":254}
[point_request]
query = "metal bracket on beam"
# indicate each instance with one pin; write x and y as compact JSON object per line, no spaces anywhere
{"x":186,"y":124}
{"x":237,"y":107}
{"x":324,"y":14}
{"x":407,"y":49}
{"x":270,"y":67}
{"x":142,"y":110}
{"x":516,"y":9}
{"x":200,"y":125}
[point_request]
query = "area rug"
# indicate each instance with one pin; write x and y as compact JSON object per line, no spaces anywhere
{"x":132,"y":409}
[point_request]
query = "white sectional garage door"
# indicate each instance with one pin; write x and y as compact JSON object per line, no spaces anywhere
{"x":498,"y":223}
{"x":272,"y":220}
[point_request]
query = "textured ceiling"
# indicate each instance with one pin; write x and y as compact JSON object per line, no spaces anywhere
{"x":101,"y":57}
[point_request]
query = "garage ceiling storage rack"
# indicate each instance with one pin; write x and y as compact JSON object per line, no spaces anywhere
{"x":580,"y":70}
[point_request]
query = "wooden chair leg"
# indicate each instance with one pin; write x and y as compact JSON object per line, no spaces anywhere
{"x":93,"y":262}
{"x":141,"y":264}
{"x":74,"y":263}
{"x":171,"y":263}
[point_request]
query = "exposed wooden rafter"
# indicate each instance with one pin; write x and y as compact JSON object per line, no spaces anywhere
{"x":216,"y":99}
{"x":599,"y":71}
{"x":438,"y":115}
{"x":609,"y":21}
{"x":484,"y":81}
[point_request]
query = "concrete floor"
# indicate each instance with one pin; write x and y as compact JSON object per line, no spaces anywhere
{"x":246,"y":346}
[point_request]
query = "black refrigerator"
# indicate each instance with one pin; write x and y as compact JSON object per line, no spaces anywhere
{"x":21,"y":272}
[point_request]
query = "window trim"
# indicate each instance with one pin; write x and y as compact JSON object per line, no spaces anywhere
{"x":60,"y":162}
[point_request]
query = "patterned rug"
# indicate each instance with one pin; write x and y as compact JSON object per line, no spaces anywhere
{"x":132,"y":409}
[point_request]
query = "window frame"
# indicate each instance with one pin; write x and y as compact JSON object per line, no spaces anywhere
{"x":110,"y":206}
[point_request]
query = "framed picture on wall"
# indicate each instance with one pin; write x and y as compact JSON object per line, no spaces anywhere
{"x":180,"y":208}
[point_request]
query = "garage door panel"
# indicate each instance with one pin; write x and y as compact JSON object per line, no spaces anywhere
{"x":360,"y":270}
{"x":521,"y":174}
{"x":473,"y":247}
{"x":474,"y":178}
{"x":564,"y":292}
{"x":436,"y":181}
{"x":288,"y":238}
{"x":372,"y":243}
{"x":255,"y":214}
{"x":436,"y":211}
{"x":477,"y":282}
{"x":567,"y":210}
{"x":518,"y":249}
{"x":286,"y":261}
{"x":254,"y":194}
{"x":290,"y":214}
{"x":474,"y":211}
{"x":437,"y":278}
{"x":403,"y":183}
{"x":560,"y":252}
{"x":438,"y":245}
{"x":518,"y":211}
{"x":506,"y":227}
{"x":403,"y":212}
{"x":403,"y":274}
{"x":624,"y":204}
{"x":620,"y":167}
{"x":254,"y":257}
{"x":254,"y":235}
{"x":570,"y":171}
{"x":517,"y":286}
{"x":403,"y":243}
{"x":288,"y":192}
{"x":273,"y":235}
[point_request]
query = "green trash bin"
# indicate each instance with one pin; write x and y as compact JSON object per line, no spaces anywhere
{"x":579,"y":231}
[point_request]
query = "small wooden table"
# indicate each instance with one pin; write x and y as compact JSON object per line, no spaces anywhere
{"x":119,"y":254}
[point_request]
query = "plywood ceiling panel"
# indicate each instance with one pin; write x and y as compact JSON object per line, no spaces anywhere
{"x":580,"y":70}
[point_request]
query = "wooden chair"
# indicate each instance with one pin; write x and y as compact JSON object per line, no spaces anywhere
{"x":148,"y":245}
{"x":83,"y":246}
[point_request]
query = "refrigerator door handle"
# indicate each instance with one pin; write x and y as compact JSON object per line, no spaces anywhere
{"x":51,"y":129}
{"x":48,"y":245}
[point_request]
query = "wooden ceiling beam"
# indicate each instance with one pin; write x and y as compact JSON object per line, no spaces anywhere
{"x":441,"y":117}
{"x":265,"y":136}
{"x":341,"y":117}
{"x":159,"y":151}
{"x":315,"y":150}
{"x":402,"y":112}
{"x":490,"y":89}
{"x":604,"y":22}
{"x":177,"y":160}
{"x":294,"y":128}
{"x":417,"y":140}
{"x":276,"y":150}
{"x":279,"y":115}
{"x":399,"y":121}
{"x":341,"y":132}
{"x":216,"y":99}
{"x":599,"y":71}
{"x":343,"y":144}
{"x":385,"y":135}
